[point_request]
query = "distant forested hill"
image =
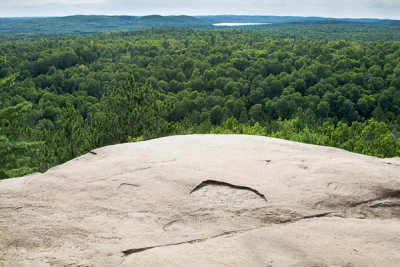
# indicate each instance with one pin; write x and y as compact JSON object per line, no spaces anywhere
{"x":333,"y":30}
{"x":281,"y":26}
{"x":277,"y":19}
{"x":316,"y":27}
{"x":15,"y":28}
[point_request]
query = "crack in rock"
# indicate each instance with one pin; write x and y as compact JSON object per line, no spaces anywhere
{"x":219,"y":183}
{"x":228,"y":233}
{"x":359,"y":203}
{"x":198,"y":240}
{"x":318,"y":215}
{"x":128,"y":184}
{"x":384,"y":204}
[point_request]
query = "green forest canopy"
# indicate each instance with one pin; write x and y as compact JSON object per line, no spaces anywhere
{"x":84,"y":91}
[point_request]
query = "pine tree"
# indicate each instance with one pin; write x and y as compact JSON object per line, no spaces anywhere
{"x":71,"y":134}
{"x":15,"y":154}
{"x":135,"y":111}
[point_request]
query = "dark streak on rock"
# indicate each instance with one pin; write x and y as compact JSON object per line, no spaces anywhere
{"x":384,"y":205}
{"x":384,"y":194}
{"x":213,"y":182}
{"x":199,"y":240}
{"x":135,"y":250}
{"x":391,"y":194}
{"x":355,"y":204}
{"x":394,"y":164}
{"x":318,"y":215}
{"x":128,"y":184}
{"x":92,"y":152}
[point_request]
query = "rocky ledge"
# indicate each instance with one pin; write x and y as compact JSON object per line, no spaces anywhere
{"x":201,"y":200}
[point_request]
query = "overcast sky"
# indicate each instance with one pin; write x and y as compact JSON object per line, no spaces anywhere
{"x":323,"y":8}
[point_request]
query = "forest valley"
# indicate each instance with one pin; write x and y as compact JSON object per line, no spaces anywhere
{"x":62,"y":96}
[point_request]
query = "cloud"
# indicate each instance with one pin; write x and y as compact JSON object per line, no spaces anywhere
{"x":24,"y":3}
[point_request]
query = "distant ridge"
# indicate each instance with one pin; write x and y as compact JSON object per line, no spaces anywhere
{"x":80,"y":24}
{"x":17,"y":28}
{"x":279,"y":19}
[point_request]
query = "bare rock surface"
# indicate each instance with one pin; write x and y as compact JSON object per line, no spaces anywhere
{"x":205,"y":200}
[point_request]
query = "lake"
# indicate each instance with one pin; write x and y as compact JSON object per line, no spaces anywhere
{"x":239,"y":24}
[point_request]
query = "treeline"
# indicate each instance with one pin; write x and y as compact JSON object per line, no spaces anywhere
{"x":19,"y":28}
{"x":81,"y":92}
{"x":350,"y":30}
{"x":316,"y":28}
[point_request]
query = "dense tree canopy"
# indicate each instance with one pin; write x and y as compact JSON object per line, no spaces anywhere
{"x":85,"y":91}
{"x":15,"y":154}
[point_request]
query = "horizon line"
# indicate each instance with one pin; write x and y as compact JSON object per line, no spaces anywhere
{"x":171,"y":15}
